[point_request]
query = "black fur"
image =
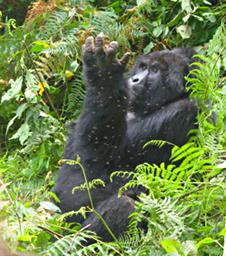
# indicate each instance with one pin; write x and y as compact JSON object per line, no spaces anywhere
{"x":117,"y":119}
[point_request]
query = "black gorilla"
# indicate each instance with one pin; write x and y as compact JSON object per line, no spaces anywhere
{"x":118,"y":117}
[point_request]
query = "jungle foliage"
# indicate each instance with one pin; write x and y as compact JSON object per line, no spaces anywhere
{"x":41,"y":89}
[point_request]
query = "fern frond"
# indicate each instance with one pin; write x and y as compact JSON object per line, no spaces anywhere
{"x":70,"y":244}
{"x":100,"y":249}
{"x":107,"y":22}
{"x":193,"y":159}
{"x":75,"y":96}
{"x":82,"y":211}
{"x":53,"y":25}
{"x":66,"y":46}
{"x":161,"y":180}
{"x":122,"y":174}
{"x":158,"y":143}
{"x":164,"y":216}
{"x":92,"y":185}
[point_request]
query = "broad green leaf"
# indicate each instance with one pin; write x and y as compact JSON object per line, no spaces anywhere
{"x":141,"y":2}
{"x":30,"y":95}
{"x":53,"y":90}
{"x":25,"y":238}
{"x":148,"y":48}
{"x":39,"y":46}
{"x":223,"y":232}
{"x":186,"y":5}
{"x":21,"y":110}
{"x":49,"y":206}
{"x":14,"y":91}
{"x":210,"y":17}
{"x":10,"y":123}
{"x":197,"y":17}
{"x":175,"y":20}
{"x":22,"y":134}
{"x":171,"y":246}
{"x":75,"y":65}
{"x":31,"y":87}
{"x":18,"y":115}
{"x":184,"y":31}
{"x":207,"y":240}
{"x":157,"y":31}
{"x":54,"y":196}
{"x":186,"y":18}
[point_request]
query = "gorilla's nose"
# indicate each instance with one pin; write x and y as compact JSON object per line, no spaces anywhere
{"x":138,"y":78}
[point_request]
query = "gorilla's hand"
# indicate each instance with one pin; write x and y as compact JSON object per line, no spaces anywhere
{"x":99,"y":60}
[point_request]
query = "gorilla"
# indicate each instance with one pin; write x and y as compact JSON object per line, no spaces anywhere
{"x":119,"y":115}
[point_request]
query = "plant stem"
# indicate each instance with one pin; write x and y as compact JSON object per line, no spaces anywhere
{"x":95,"y":211}
{"x":92,"y":205}
{"x":87,"y":184}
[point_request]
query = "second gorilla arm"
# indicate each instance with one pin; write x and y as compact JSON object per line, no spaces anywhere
{"x":171,"y":123}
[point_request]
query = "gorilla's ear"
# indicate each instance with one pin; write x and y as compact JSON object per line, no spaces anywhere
{"x":186,"y":52}
{"x":189,"y":53}
{"x":175,"y":80}
{"x":181,"y":58}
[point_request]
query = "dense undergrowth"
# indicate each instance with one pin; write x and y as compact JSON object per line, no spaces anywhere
{"x":41,"y":89}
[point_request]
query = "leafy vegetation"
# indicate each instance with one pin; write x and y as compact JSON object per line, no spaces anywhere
{"x":41,"y":89}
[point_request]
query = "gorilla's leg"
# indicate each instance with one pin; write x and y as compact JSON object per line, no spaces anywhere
{"x":115,"y":211}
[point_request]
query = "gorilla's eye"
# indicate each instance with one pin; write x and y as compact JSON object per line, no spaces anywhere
{"x":154,"y":69}
{"x":143,"y":66}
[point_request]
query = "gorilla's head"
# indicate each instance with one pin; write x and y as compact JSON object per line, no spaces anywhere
{"x":158,"y":79}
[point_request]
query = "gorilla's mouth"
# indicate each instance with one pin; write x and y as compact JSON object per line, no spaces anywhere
{"x":134,"y":100}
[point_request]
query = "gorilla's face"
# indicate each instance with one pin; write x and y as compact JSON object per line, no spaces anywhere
{"x":157,"y":80}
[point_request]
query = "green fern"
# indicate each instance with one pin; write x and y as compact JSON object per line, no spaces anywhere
{"x":208,"y":89}
{"x":158,"y":143}
{"x":66,"y":46}
{"x":53,"y":25}
{"x":92,"y":185}
{"x":75,"y":96}
{"x":164,"y":217}
{"x":70,"y":244}
{"x":107,"y":22}
{"x":161,"y":180}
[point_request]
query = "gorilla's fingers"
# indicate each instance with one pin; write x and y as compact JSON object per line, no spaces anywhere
{"x":88,"y":51}
{"x":112,"y":50}
{"x":100,"y":39}
{"x":89,"y":44}
{"x":124,"y":60}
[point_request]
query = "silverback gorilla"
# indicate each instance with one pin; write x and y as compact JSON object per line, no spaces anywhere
{"x":118,"y":117}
